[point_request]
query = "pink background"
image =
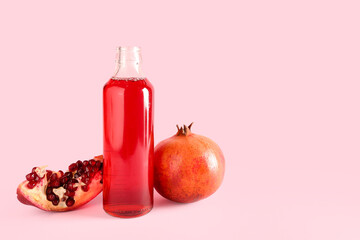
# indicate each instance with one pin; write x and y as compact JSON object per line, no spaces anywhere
{"x":274,"y":83}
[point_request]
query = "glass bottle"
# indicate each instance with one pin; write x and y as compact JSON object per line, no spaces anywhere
{"x":128,"y":138}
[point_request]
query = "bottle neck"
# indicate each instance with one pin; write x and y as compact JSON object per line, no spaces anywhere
{"x":128,"y":63}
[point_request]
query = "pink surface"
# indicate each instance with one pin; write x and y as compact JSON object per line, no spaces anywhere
{"x":274,"y":83}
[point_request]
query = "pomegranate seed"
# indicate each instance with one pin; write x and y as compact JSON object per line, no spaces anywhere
{"x":91,"y":174}
{"x":64,"y":180}
{"x":73,"y":167}
{"x":68,"y":174}
{"x":85,"y":188}
{"x":33,"y":170}
{"x":74,"y":181}
{"x":48,"y":190}
{"x":31,"y":184}
{"x":70,"y":201}
{"x":48,"y":174}
{"x":69,"y":193}
{"x":98,"y":164}
{"x":53,"y":177}
{"x":95,"y":169}
{"x":76,"y":175}
{"x":84,"y":175}
{"x":92,"y":162}
{"x":79,"y":163}
{"x":28,"y":177}
{"x":61,"y":173}
{"x":87,"y":168}
{"x":80,"y":171}
{"x":32,"y":176}
{"x":87,"y":180}
{"x":51,"y":197}
{"x":71,"y":187}
{"x":37,"y":178}
{"x":86,"y":162}
{"x":56,"y":183}
{"x":56,"y":201}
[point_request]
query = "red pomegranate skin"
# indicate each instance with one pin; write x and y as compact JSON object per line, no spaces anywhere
{"x":188,"y":167}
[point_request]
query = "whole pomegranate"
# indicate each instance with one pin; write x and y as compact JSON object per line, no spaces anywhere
{"x":59,"y":191}
{"x":188,"y":167}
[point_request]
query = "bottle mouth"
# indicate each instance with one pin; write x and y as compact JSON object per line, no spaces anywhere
{"x":128,"y":54}
{"x":128,"y":48}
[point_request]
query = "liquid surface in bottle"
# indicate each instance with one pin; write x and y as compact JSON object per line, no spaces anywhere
{"x":128,"y":147}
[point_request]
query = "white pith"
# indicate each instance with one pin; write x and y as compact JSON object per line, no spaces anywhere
{"x":41,"y":171}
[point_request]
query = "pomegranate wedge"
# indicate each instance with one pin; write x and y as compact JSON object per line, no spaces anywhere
{"x":59,"y":191}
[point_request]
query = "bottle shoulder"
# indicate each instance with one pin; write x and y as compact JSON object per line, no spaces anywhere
{"x":129,"y":83}
{"x":149,"y":84}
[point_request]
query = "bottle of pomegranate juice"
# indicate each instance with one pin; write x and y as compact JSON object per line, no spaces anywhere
{"x":128,"y":138}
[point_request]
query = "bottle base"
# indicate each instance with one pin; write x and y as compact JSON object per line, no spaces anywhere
{"x":128,"y":211}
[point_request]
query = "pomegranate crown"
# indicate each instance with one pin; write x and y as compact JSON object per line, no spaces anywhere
{"x":184,"y":130}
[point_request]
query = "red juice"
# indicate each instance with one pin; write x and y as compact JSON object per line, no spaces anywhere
{"x":128,"y":147}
